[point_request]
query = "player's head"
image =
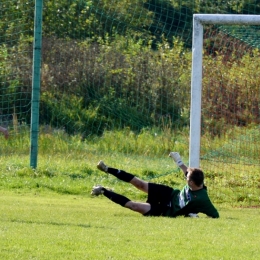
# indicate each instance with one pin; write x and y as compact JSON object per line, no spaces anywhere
{"x":195,"y":175}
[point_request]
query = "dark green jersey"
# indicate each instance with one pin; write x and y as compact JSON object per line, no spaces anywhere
{"x":187,"y":201}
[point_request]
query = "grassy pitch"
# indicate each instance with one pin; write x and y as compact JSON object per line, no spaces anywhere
{"x":53,"y":226}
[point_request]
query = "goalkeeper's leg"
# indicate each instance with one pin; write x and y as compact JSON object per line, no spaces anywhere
{"x":124,"y":176}
{"x":139,"y":207}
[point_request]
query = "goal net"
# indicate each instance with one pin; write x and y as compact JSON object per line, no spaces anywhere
{"x":16,"y":27}
{"x":229,"y":90}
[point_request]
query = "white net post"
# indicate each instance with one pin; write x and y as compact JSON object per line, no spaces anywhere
{"x":196,"y":77}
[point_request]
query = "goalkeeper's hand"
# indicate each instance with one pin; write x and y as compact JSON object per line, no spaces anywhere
{"x":176,"y":157}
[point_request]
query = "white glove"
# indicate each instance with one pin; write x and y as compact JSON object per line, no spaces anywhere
{"x":193,"y":215}
{"x":176,"y":157}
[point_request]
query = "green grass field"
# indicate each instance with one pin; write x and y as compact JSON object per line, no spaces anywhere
{"x":53,"y":226}
{"x":48,"y":212}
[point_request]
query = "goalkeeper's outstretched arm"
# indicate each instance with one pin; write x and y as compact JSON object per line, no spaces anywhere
{"x":177,"y":158}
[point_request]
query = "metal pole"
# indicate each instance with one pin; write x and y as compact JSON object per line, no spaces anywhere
{"x":36,"y":80}
{"x":196,"y":82}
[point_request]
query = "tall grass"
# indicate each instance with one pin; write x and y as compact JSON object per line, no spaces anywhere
{"x":67,"y":164}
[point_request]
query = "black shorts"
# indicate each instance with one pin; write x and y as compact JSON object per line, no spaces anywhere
{"x":159,"y":197}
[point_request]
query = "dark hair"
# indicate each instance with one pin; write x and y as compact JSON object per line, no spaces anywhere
{"x":196,"y":175}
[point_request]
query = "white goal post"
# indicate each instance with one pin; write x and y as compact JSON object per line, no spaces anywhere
{"x":196,"y":75}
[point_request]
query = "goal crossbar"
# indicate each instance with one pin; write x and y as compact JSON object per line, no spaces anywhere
{"x":196,"y":75}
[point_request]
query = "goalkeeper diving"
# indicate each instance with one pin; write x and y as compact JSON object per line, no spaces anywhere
{"x":163,"y":200}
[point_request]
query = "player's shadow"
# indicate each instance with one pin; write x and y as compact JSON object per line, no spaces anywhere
{"x":56,"y":223}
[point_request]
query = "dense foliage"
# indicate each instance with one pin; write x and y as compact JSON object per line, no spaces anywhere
{"x":97,"y":18}
{"x":118,"y":64}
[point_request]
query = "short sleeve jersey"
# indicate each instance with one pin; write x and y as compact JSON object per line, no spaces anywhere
{"x":187,"y":201}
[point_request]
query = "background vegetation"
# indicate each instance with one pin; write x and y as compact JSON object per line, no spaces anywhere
{"x":110,"y":65}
